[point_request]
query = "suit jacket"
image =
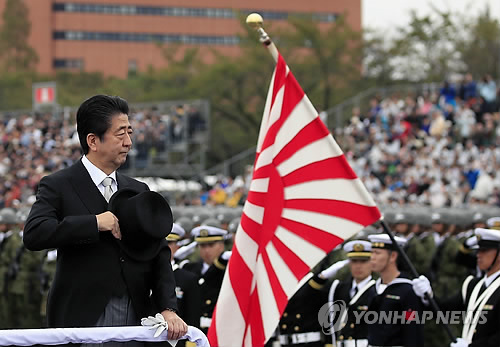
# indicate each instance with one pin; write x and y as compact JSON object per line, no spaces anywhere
{"x":91,"y":268}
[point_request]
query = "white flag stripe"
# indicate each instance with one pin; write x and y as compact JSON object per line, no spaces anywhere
{"x":301,"y":116}
{"x":247,"y":247}
{"x":285,"y":276}
{"x":344,"y":189}
{"x":340,"y":227}
{"x":248,"y":338}
{"x":229,"y":331}
{"x":307,"y":252}
{"x":254,"y":212}
{"x":275,"y":113}
{"x":265,"y":157}
{"x":268,"y":306}
{"x":267,"y":109}
{"x":259,"y":185}
{"x":321,"y":149}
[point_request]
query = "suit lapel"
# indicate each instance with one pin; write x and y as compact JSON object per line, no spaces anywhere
{"x":121,"y":181}
{"x":87,"y":190}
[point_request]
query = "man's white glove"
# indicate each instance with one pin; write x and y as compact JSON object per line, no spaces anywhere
{"x":333,"y":269}
{"x":185,"y":251}
{"x":460,"y":343}
{"x":421,"y":286}
{"x":157,"y":322}
{"x":226,"y":255}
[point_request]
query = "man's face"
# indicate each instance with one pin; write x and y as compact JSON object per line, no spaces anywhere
{"x":211,"y":251}
{"x":438,"y":227}
{"x":116,"y":142}
{"x":360,"y":269}
{"x":379,"y":259}
{"x":485,"y":257}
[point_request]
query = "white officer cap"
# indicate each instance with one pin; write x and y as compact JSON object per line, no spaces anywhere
{"x":206,"y":234}
{"x":400,"y":218}
{"x":385,"y":242}
{"x":493,"y":223}
{"x":358,"y":249}
{"x":487,"y":238}
{"x":177,"y":233}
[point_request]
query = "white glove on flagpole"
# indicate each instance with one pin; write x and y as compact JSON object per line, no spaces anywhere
{"x":333,"y":269}
{"x":421,"y":286}
{"x":460,"y":343}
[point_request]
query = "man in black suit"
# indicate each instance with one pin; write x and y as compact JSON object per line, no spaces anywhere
{"x":96,"y":283}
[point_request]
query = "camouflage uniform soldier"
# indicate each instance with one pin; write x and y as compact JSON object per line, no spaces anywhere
{"x":8,"y":222}
{"x":414,"y":247}
{"x":47,"y":273}
{"x":446,"y":274}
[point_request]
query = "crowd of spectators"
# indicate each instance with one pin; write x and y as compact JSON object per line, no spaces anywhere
{"x":437,"y":148}
{"x":34,"y":145}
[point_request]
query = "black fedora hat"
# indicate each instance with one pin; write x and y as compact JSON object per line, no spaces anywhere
{"x":145,"y":220}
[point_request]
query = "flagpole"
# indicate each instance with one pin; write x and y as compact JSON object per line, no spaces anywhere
{"x":415,"y":274}
{"x":254,"y":21}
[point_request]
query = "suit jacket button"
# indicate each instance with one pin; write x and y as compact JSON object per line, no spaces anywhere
{"x":296,"y":328}
{"x":208,"y":302}
{"x":283,"y":326}
{"x":352,"y":325}
{"x":285,"y":314}
{"x":122,"y":259}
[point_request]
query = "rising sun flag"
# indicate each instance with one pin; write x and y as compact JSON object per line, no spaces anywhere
{"x":304,"y":200}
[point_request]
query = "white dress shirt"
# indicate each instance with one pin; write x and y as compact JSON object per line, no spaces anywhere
{"x":97,"y":175}
{"x":358,"y":285}
{"x":489,"y":279}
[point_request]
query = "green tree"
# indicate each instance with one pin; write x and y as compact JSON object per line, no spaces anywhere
{"x":325,"y":61}
{"x":15,"y":52}
{"x":479,"y":45}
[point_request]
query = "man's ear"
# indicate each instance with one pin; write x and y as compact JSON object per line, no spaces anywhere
{"x":92,"y":142}
{"x":394,"y":256}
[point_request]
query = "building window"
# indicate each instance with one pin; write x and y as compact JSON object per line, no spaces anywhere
{"x":180,"y":11}
{"x":72,"y":64}
{"x":144,"y":37}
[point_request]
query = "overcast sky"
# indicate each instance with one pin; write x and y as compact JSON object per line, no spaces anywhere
{"x":386,"y":14}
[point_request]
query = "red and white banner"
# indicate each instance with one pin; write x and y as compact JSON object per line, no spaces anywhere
{"x":304,"y":200}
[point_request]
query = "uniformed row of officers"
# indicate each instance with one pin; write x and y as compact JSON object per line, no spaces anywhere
{"x":367,"y":275}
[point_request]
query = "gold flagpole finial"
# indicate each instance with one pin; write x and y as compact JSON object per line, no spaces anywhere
{"x":254,"y":21}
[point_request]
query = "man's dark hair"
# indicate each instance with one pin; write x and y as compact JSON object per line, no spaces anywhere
{"x":94,"y":116}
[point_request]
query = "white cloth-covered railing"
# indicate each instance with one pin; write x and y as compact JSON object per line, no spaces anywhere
{"x":58,"y":336}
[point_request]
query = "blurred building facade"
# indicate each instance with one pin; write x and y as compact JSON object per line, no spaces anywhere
{"x":118,"y":37}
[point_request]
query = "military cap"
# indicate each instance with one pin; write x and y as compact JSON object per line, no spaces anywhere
{"x":384,"y":241}
{"x":177,"y":233}
{"x":487,"y":238}
{"x":233,"y":225}
{"x":358,"y":249}
{"x":207,"y":234}
{"x":493,"y":223}
{"x":8,"y":216}
{"x":212,"y":222}
{"x":185,"y":222}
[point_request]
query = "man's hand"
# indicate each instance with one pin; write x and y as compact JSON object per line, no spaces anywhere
{"x":107,"y":221}
{"x":176,"y":326}
{"x":460,"y":343}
